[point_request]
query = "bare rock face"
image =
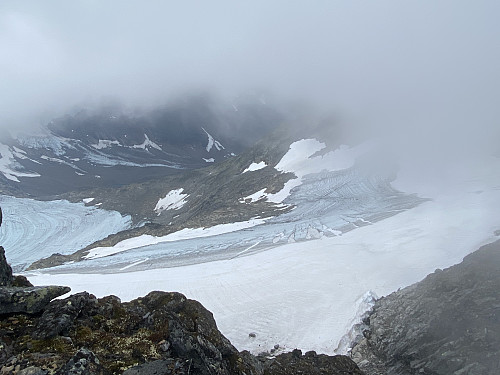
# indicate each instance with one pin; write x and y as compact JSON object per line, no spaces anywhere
{"x":449,"y":323}
{"x":5,"y":270}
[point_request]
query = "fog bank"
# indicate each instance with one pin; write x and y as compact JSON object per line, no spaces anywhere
{"x":388,"y":65}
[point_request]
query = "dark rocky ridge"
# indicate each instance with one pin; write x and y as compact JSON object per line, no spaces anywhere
{"x":161,"y":333}
{"x":449,"y":323}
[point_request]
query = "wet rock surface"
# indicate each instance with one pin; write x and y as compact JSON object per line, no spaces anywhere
{"x":449,"y":323}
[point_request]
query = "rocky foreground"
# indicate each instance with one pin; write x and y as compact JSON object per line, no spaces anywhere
{"x":449,"y":323}
{"x":161,"y":333}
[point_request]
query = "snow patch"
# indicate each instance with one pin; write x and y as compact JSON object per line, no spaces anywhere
{"x":105,"y":143}
{"x":87,"y":200}
{"x":212,"y":142}
{"x":211,"y":160}
{"x":254,"y":197}
{"x":9,"y":167}
{"x":174,"y":200}
{"x":147,"y":143}
{"x":255,"y":167}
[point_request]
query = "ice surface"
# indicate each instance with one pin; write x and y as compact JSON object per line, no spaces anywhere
{"x":32,"y":229}
{"x":174,"y":200}
{"x":183,"y":234}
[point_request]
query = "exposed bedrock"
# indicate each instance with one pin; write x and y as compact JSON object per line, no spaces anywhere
{"x":449,"y":323}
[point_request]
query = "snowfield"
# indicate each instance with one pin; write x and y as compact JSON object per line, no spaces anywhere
{"x":362,"y":236}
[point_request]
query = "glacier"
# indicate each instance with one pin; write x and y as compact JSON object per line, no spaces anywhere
{"x":33,"y":229}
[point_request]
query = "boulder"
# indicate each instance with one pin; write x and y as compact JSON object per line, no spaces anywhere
{"x":30,"y":300}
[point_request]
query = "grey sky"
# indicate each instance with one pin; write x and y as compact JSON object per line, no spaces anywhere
{"x":384,"y":62}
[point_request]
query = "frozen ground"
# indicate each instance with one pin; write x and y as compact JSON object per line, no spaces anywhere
{"x":306,"y":294}
{"x":33,"y":229}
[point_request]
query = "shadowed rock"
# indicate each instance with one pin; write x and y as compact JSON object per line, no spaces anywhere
{"x":5,"y":270}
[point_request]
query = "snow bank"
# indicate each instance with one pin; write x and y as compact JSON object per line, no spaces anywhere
{"x":174,"y":200}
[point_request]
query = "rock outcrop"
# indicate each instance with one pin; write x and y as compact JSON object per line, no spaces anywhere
{"x":161,"y":333}
{"x":17,"y":295}
{"x":449,"y":323}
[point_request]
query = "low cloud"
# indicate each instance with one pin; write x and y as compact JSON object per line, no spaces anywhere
{"x":422,"y":68}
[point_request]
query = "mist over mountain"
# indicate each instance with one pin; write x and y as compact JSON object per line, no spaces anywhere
{"x":290,"y":165}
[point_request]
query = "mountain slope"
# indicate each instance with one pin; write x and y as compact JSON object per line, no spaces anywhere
{"x":113,"y":147}
{"x":449,"y":323}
